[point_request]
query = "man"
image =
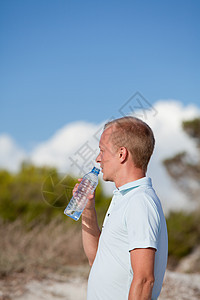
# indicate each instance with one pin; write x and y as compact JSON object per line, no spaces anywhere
{"x":129,"y":256}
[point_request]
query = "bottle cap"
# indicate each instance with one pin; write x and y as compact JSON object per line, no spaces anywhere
{"x":96,"y":170}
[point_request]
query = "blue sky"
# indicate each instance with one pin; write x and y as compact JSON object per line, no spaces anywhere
{"x":63,"y":61}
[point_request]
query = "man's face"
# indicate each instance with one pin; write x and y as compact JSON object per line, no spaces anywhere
{"x":107,"y":157}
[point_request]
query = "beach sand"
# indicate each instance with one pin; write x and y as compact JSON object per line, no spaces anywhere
{"x":176,"y":286}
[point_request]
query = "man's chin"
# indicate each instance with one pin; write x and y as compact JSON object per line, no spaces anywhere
{"x":106,"y":178}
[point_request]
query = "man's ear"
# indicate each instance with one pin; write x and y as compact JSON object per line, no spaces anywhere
{"x":123,"y":154}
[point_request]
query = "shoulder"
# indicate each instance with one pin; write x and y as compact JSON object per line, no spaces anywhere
{"x":143,"y":196}
{"x":143,"y":204}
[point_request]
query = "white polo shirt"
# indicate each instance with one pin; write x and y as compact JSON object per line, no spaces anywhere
{"x":134,"y":219}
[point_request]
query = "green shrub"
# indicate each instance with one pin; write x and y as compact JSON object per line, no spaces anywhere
{"x":183,"y":233}
{"x":40,"y":194}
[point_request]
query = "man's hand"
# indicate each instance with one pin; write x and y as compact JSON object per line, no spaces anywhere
{"x":91,"y":198}
{"x":90,"y":228}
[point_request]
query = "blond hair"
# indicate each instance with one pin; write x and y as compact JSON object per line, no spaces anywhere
{"x":136,"y":136}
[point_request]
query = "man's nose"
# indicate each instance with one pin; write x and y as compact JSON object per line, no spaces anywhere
{"x":98,"y":158}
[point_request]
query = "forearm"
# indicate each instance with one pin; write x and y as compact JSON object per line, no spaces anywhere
{"x":141,"y":289}
{"x":90,"y":233}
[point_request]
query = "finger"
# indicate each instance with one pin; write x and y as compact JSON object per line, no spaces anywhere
{"x":92,"y":195}
{"x":75,"y":187}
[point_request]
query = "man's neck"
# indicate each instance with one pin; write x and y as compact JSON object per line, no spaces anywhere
{"x":129,"y":176}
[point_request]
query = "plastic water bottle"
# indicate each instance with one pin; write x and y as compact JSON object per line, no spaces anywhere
{"x":79,"y":200}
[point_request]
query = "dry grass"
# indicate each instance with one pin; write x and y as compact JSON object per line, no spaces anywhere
{"x":39,"y":249}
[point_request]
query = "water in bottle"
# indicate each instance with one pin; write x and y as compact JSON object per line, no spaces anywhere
{"x":79,"y":200}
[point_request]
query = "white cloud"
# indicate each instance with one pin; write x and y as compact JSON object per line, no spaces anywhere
{"x":170,"y":139}
{"x":11,"y":155}
{"x":64,"y":144}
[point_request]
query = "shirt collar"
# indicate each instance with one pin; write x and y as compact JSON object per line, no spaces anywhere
{"x":133,"y":184}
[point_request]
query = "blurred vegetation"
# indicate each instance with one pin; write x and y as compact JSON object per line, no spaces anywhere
{"x":192,"y":128}
{"x":184,"y":228}
{"x":39,"y":194}
{"x":36,"y":236}
{"x":183,"y":233}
